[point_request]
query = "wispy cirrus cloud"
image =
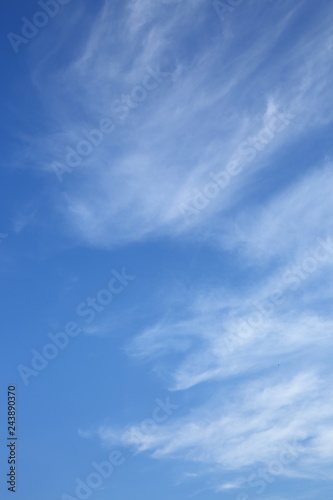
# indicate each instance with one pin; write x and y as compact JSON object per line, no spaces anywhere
{"x":259,"y":421}
{"x":289,"y":222}
{"x":277,"y":323}
{"x":288,"y":252}
{"x":134,"y":183}
{"x":221,"y":88}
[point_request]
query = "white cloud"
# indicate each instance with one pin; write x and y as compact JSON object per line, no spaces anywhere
{"x":290,"y":222}
{"x":133,"y":184}
{"x":253,"y":424}
{"x":130,"y":188}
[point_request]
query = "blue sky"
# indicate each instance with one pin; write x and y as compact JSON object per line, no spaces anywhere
{"x":166,"y":248}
